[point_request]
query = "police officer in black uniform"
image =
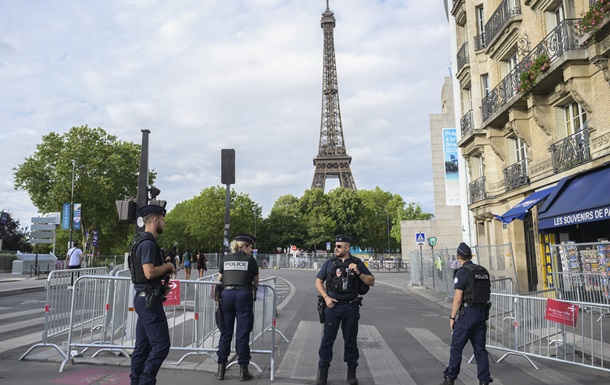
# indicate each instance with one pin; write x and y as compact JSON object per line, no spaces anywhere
{"x":469,"y":314}
{"x":343,"y":275}
{"x":148,"y":269}
{"x":238,"y":274}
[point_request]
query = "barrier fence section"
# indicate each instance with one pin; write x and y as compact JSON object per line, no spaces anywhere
{"x":59,"y":290}
{"x":192,"y":322}
{"x":435,"y":267}
{"x":530,"y":326}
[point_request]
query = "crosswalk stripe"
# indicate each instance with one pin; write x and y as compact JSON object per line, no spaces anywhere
{"x":301,"y":358}
{"x":21,"y":325}
{"x":384,"y":365}
{"x":440,"y":351}
{"x":23,"y":313}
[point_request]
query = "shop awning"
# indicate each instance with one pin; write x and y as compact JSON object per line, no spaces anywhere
{"x":582,"y":198}
{"x":520,"y":210}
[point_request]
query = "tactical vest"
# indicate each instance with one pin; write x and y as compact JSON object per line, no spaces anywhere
{"x":236,"y":269}
{"x":136,"y":269}
{"x":339,"y":279}
{"x":478,"y":286}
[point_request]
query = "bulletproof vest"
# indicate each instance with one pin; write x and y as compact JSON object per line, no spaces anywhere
{"x":339,"y":279}
{"x":478,"y":286}
{"x":235,"y":270}
{"x":136,"y":269}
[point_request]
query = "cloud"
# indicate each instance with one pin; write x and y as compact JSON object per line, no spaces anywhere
{"x":208,"y":75}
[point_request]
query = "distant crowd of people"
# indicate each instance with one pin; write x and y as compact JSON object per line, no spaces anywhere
{"x":187,"y":261}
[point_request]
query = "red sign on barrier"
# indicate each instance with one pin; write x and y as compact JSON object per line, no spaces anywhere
{"x":562,"y":312}
{"x":173,"y":297}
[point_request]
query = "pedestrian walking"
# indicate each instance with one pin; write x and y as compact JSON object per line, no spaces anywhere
{"x":148,"y":269}
{"x":74,"y":256}
{"x":202,"y":263}
{"x":238,"y":274}
{"x":469,"y":314}
{"x":339,"y":282}
{"x":186,"y":263}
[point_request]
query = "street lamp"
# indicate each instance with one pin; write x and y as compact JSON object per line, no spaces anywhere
{"x":388,"y":218}
{"x":72,"y":201}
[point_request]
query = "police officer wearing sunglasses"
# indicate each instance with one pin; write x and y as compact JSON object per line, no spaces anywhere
{"x":339,"y":282}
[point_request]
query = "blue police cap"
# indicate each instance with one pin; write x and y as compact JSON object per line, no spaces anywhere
{"x":151,"y":209}
{"x":242,"y":237}
{"x":343,"y":238}
{"x":464,"y":251}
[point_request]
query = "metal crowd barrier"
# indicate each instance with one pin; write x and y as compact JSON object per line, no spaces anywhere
{"x":517,"y":325}
{"x":57,"y":304}
{"x":192,"y":325}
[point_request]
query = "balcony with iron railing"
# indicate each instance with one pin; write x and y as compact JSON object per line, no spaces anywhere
{"x":515,"y":175}
{"x":571,"y":151}
{"x":467,"y":125}
{"x":462,"y":57}
{"x":500,"y":18}
{"x":477,"y":190}
{"x":562,"y":39}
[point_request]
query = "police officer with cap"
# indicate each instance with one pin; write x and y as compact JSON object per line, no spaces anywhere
{"x":238,"y":274}
{"x":469,"y":314}
{"x":148,"y":270}
{"x":344,"y":277}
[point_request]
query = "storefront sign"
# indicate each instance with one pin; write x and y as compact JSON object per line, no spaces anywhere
{"x":592,"y":215}
{"x":547,"y":265}
{"x":562,"y":312}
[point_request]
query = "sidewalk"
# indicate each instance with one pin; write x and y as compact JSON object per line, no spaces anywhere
{"x":14,"y":284}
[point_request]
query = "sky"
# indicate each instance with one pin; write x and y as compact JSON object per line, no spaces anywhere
{"x":209,"y":74}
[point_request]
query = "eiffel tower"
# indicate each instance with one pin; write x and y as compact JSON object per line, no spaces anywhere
{"x":332,"y":160}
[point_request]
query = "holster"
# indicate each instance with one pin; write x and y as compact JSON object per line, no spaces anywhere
{"x":156,"y":295}
{"x":321,"y":306}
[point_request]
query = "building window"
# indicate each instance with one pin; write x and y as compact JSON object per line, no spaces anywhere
{"x":481,"y":24}
{"x":479,"y":167}
{"x":575,"y":118}
{"x":559,"y":15}
{"x":485,"y":85}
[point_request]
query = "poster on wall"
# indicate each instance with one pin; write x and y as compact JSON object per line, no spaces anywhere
{"x":452,"y":175}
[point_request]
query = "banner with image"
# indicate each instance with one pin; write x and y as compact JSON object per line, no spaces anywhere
{"x":452,"y":175}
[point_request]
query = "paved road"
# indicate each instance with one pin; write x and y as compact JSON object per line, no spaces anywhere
{"x":403,"y":339}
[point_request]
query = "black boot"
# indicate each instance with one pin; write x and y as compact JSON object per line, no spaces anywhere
{"x":351,"y":376}
{"x":220,"y":374}
{"x":322,"y":377}
{"x":447,"y":381}
{"x":244,"y":374}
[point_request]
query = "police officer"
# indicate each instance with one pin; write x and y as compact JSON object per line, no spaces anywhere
{"x":147,"y":272}
{"x":469,"y":314}
{"x":343,"y":276}
{"x":238,"y":274}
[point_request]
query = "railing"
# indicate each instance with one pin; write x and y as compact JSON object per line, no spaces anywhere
{"x":515,"y":175}
{"x":561,"y":39}
{"x":462,"y":56}
{"x":497,"y":21}
{"x":477,"y":190}
{"x":571,"y":151}
{"x":467,"y":124}
{"x":480,"y":42}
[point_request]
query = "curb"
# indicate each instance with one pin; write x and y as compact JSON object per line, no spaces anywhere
{"x":24,"y":290}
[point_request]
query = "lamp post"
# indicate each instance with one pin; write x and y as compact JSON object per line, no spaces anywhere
{"x":72,"y":201}
{"x":388,"y":219}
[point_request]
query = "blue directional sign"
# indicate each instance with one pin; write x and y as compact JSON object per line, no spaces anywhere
{"x":420,"y":238}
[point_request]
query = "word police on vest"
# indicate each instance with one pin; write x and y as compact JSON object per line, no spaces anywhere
{"x":236,"y":265}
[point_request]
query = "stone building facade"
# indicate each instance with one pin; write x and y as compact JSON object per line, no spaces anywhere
{"x":534,"y":104}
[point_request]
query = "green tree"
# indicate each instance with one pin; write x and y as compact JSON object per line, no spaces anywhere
{"x":106,"y":171}
{"x":285,"y":225}
{"x":411,"y":213}
{"x":347,"y":210}
{"x":319,"y":225}
{"x":13,"y":236}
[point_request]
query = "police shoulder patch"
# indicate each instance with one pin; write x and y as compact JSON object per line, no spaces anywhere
{"x":455,"y":280}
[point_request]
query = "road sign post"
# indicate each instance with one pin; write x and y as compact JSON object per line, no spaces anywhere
{"x":432,"y":243}
{"x":420,"y":239}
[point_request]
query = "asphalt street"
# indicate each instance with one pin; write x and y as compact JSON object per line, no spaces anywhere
{"x":404,"y":338}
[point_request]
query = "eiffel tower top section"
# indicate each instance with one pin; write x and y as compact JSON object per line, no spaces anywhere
{"x":332,"y":160}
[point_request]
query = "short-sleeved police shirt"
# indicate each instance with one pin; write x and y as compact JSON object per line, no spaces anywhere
{"x":322,"y":274}
{"x":461,"y":277}
{"x":145,"y":253}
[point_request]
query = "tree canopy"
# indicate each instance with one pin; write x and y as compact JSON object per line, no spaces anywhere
{"x":106,"y":170}
{"x":13,"y":236}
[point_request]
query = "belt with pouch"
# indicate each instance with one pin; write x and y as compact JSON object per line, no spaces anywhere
{"x":236,"y":287}
{"x":476,"y":306}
